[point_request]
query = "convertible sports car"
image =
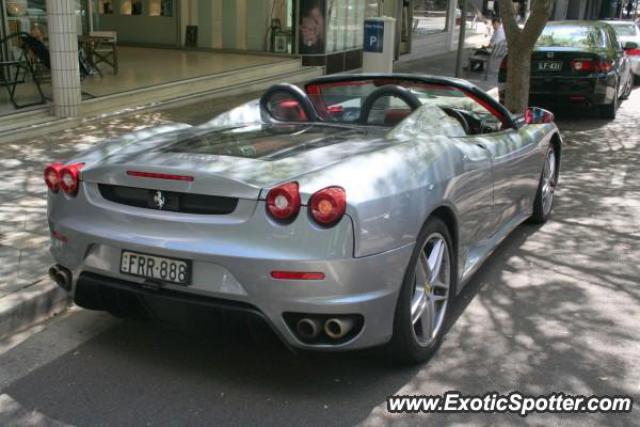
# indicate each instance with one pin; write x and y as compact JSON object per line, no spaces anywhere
{"x":347,"y":214}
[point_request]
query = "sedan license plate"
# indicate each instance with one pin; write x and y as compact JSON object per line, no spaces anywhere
{"x":549,"y":66}
{"x":153,"y":267}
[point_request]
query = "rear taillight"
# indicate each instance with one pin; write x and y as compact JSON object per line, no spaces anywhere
{"x":297,"y":275}
{"x":52,"y":176}
{"x":328,"y":206}
{"x":632,"y":52}
{"x":70,"y":178}
{"x":283,"y":202}
{"x":591,"y":66}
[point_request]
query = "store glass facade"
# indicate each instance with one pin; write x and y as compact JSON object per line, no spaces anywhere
{"x":129,"y":37}
{"x":30,"y":16}
{"x":429,"y":17}
{"x":144,"y":22}
{"x":330,"y":26}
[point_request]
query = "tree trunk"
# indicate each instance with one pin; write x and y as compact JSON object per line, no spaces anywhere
{"x":520,"y":43}
{"x":518,"y":74}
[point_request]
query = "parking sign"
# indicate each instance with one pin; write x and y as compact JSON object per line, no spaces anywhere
{"x":373,"y":36}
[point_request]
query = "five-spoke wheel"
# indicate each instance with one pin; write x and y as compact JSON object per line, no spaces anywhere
{"x":543,"y":202}
{"x":431,"y":289}
{"x":425,"y":297}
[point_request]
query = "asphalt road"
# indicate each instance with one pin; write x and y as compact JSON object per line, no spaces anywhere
{"x":555,"y":309}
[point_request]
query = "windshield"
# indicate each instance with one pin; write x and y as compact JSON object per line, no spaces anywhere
{"x":579,"y":36}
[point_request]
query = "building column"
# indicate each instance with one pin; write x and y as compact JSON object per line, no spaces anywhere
{"x":452,"y":6}
{"x":63,"y":50}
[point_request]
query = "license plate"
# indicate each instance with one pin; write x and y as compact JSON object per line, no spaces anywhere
{"x":153,"y":267}
{"x":549,"y":66}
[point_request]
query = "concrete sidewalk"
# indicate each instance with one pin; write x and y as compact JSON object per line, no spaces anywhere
{"x":26,"y":293}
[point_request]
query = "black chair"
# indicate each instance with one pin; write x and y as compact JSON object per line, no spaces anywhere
{"x":17,"y":68}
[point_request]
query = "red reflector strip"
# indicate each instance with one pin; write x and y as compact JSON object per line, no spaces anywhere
{"x":59,"y":236}
{"x":297,"y":275}
{"x":160,"y":176}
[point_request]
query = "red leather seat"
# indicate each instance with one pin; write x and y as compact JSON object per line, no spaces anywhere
{"x":393,"y":116}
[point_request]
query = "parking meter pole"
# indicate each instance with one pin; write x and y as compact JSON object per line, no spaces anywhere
{"x":461,"y":39}
{"x":379,"y":45}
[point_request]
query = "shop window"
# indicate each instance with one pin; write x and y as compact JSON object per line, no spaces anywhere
{"x":311,"y":26}
{"x":131,"y":7}
{"x":160,"y":7}
{"x":429,"y":16}
{"x":373,"y":8}
{"x":343,"y":21}
{"x":29,"y":16}
{"x":105,"y":7}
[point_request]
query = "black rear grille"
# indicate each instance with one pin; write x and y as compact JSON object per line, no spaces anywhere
{"x":169,"y":200}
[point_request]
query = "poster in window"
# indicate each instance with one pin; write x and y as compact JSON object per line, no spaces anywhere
{"x":311,"y":33}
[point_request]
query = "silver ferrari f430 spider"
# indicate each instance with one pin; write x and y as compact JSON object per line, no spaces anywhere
{"x":347,"y":213}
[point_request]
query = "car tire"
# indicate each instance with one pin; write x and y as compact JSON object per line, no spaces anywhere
{"x":543,"y":202}
{"x":609,"y":111}
{"x":627,"y":88}
{"x":636,"y":79}
{"x":413,"y":341}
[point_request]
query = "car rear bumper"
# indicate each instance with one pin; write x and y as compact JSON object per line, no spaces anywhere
{"x":237,"y":270}
{"x":569,"y":91}
{"x":246,"y":283}
{"x":586,"y":91}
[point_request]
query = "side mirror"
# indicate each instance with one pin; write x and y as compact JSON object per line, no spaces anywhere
{"x":630,"y":45}
{"x":536,"y":116}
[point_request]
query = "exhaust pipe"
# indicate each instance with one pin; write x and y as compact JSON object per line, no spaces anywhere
{"x":308,"y":328}
{"x":337,"y":328}
{"x":61,"y":276}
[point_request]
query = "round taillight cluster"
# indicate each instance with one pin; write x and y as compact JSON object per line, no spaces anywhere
{"x":52,"y":176}
{"x":65,"y":178}
{"x":326,"y":207}
{"x":283,"y":202}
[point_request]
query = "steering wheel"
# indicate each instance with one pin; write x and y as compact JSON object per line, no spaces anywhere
{"x":460,"y":117}
{"x":388,"y":90}
{"x":290,"y":91}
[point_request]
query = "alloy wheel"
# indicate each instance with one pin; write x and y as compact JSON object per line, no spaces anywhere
{"x":431,"y":289}
{"x":548,"y":182}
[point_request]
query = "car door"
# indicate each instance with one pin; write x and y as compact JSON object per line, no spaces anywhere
{"x":516,"y":167}
{"x":474,"y":191}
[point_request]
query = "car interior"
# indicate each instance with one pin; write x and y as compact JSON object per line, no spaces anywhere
{"x":369,"y":102}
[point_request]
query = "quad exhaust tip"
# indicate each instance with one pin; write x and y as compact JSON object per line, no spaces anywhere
{"x":61,"y":276}
{"x":308,"y":328}
{"x":337,"y":328}
{"x":324,"y":329}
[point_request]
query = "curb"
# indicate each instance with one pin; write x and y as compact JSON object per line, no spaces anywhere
{"x":33,"y":304}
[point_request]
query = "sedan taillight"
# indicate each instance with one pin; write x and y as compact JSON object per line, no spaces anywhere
{"x":591,"y":66}
{"x":632,"y":52}
{"x":70,"y":178}
{"x":52,"y":176}
{"x":283,"y":202}
{"x":327,"y":206}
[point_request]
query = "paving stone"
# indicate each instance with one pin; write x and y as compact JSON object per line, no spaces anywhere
{"x":9,"y":265}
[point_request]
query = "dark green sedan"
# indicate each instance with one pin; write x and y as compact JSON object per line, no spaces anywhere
{"x":578,"y":63}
